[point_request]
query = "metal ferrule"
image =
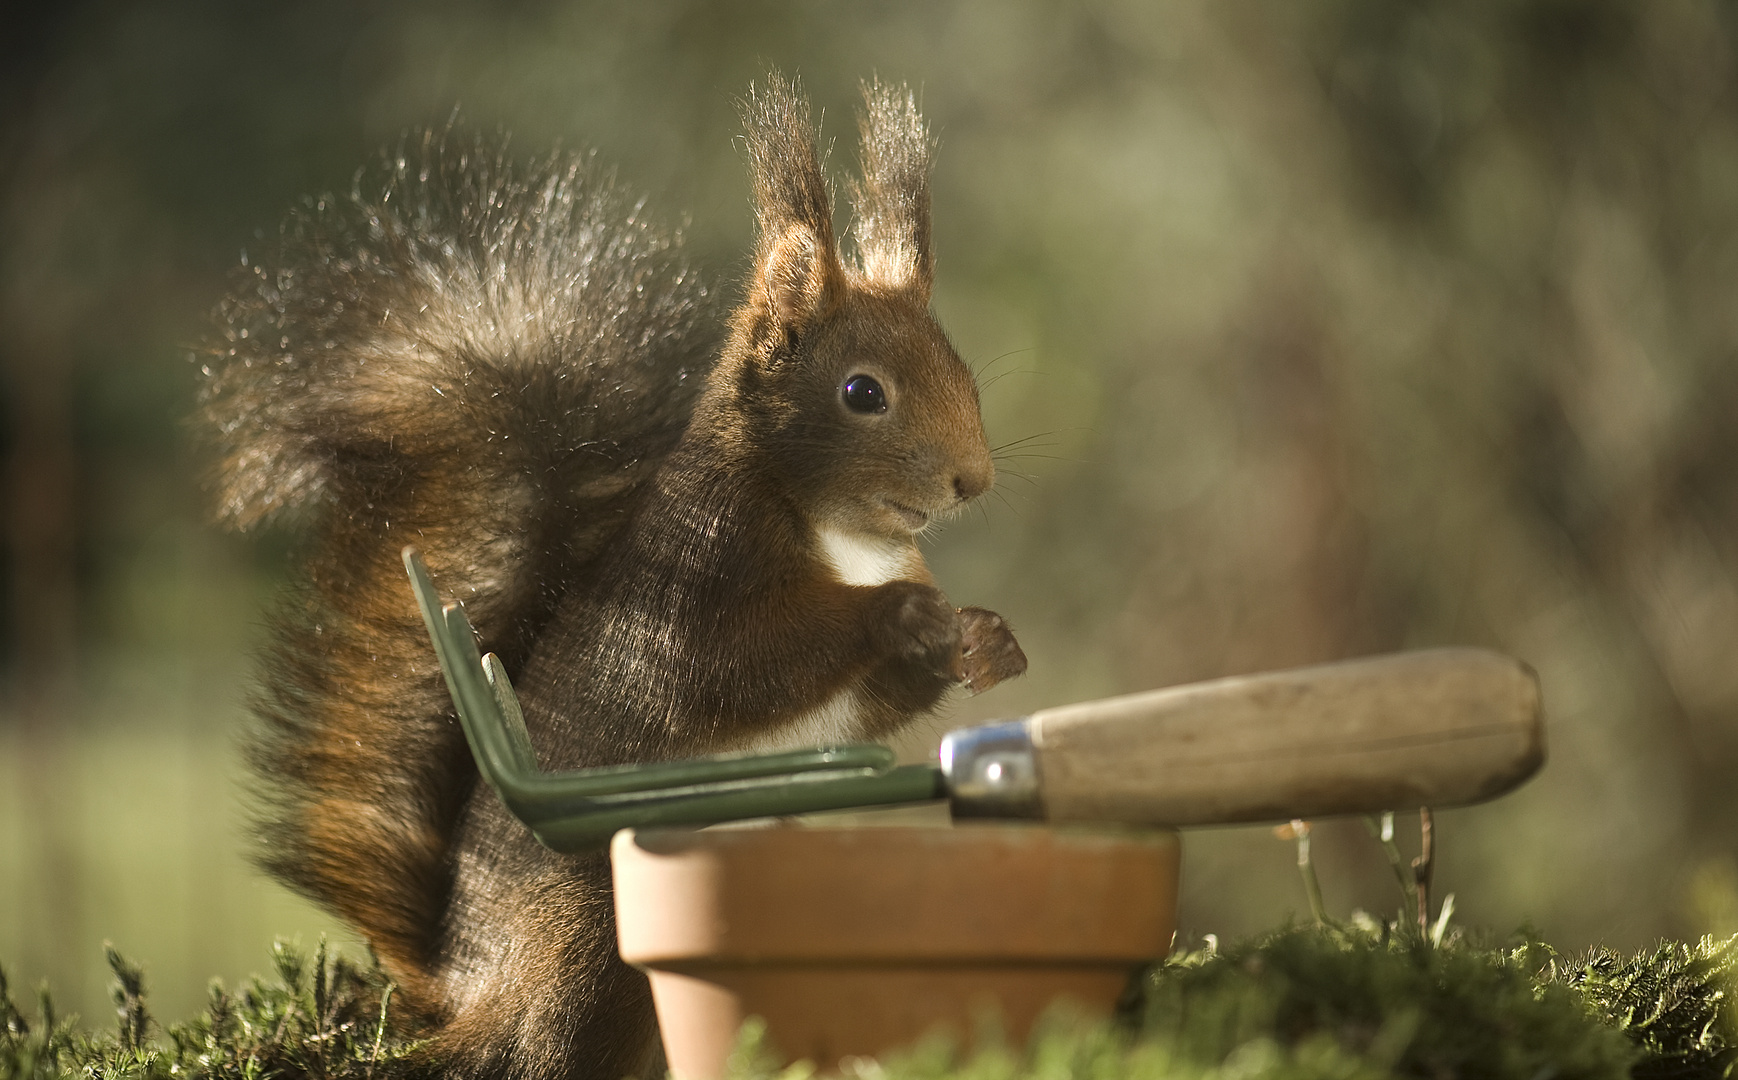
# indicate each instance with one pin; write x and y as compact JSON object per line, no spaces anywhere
{"x":992,"y":772}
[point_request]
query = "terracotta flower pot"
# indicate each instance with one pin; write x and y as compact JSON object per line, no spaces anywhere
{"x":855,"y":941}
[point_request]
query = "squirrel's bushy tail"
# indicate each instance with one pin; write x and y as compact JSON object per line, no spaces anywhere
{"x":483,"y":360}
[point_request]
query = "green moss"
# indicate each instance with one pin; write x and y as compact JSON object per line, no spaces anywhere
{"x":1340,"y":1002}
{"x":1301,"y":1003}
{"x":1393,"y":1002}
{"x":328,"y":1019}
{"x":1674,"y":1004}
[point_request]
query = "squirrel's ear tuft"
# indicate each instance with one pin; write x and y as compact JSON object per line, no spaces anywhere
{"x":892,"y":201}
{"x":797,"y":271}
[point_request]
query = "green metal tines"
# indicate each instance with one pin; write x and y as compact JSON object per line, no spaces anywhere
{"x":579,"y":810}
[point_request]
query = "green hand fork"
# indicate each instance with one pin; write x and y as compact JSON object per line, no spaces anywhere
{"x":581,"y":809}
{"x":1439,"y":727}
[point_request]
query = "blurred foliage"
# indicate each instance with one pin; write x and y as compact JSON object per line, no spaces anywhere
{"x":1333,"y":328}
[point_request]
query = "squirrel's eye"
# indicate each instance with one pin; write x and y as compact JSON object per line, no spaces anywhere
{"x":863,"y":394}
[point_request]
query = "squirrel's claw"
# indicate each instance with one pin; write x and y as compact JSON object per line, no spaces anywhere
{"x":988,"y":654}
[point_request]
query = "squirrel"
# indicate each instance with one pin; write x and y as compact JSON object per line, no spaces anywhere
{"x":684,"y":531}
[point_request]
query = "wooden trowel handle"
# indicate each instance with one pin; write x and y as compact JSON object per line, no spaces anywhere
{"x":1439,"y":727}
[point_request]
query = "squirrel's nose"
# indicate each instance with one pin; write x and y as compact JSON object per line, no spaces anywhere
{"x":968,"y":484}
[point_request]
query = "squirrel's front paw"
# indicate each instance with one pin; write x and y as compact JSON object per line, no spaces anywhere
{"x":989,"y":653}
{"x":924,"y":629}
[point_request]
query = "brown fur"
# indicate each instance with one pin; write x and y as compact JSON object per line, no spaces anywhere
{"x":504,"y":369}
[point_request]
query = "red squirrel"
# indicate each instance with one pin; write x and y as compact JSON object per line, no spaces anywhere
{"x":683,"y":534}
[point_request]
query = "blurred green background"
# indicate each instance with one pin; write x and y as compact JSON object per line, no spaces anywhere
{"x":1341,"y":327}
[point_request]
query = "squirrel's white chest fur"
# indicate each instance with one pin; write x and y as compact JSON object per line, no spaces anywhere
{"x":855,"y":559}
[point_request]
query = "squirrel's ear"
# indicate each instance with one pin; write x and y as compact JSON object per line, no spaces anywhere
{"x":797,"y":273}
{"x":892,"y":201}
